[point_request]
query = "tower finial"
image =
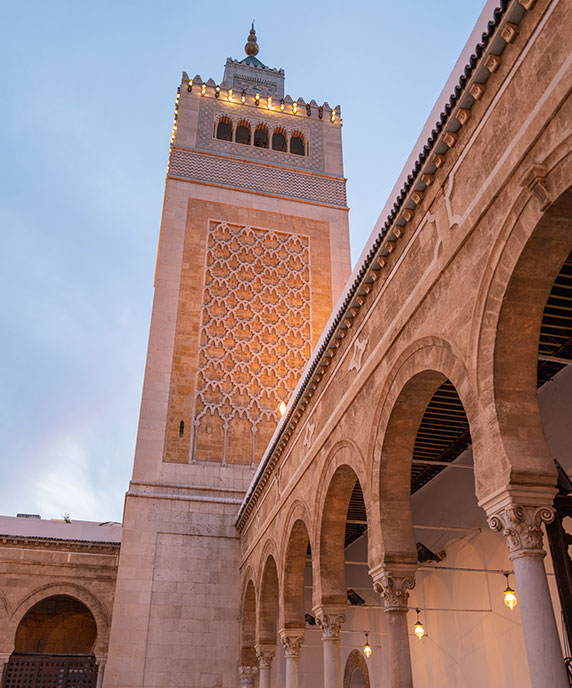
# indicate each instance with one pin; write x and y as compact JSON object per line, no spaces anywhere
{"x":251,"y":47}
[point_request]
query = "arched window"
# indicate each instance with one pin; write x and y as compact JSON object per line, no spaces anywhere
{"x":297,"y":145}
{"x":261,"y":136}
{"x":243,"y":132}
{"x":279,"y":140}
{"x":224,"y":129}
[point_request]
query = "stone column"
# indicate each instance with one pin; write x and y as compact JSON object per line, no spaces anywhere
{"x":521,"y":525}
{"x":246,"y":676}
{"x":264,"y":656}
{"x":394,"y":585}
{"x":291,"y":639}
{"x":4,"y":659}
{"x":330,"y":620}
{"x":100,"y":670}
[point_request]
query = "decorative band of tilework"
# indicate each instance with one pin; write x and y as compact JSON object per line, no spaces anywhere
{"x":260,"y":178}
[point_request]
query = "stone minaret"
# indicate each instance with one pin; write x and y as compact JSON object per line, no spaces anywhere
{"x":254,"y":252}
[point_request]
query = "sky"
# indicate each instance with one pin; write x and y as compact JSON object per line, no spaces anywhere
{"x":87,"y":103}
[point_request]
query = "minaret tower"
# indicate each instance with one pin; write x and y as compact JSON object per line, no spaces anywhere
{"x":254,"y":252}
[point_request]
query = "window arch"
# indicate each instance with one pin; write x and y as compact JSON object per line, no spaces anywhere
{"x":224,"y":128}
{"x":243,"y":134}
{"x":297,"y":143}
{"x":279,"y":140}
{"x":261,"y":136}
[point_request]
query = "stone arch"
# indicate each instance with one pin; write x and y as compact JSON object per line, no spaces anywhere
{"x":294,"y":550}
{"x":411,"y":384}
{"x":243,"y":133}
{"x":298,"y":143}
{"x":224,"y":128}
{"x":343,"y":467}
{"x":248,"y":624}
{"x":58,"y":624}
{"x":280,"y":140}
{"x":356,"y":662}
{"x":261,"y":136}
{"x":267,"y":629}
{"x":536,"y":243}
{"x":83,"y":595}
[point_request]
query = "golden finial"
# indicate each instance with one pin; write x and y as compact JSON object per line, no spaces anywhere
{"x":251,"y":47}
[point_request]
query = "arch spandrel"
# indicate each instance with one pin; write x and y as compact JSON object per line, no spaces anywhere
{"x":535,"y":246}
{"x":412,"y":381}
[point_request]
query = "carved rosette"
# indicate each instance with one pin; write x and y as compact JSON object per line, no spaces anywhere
{"x":264,"y":656}
{"x":246,"y":676}
{"x":292,"y":643}
{"x":394,"y":591}
{"x":330,"y":625}
{"x":522,"y":527}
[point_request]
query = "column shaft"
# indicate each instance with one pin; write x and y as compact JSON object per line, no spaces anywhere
{"x":545,"y":658}
{"x":521,"y":525}
{"x":394,"y":584}
{"x":292,"y":671}
{"x":332,"y":669}
{"x":399,"y":654}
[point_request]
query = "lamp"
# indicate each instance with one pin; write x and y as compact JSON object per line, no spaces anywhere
{"x":270,"y":102}
{"x":203,"y":89}
{"x":510,"y":598}
{"x":367,"y":647}
{"x":217,"y":91}
{"x":282,"y":408}
{"x":243,"y":97}
{"x":229,"y":96}
{"x":418,"y":629}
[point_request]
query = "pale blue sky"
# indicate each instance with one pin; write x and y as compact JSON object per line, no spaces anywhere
{"x":87,"y":102}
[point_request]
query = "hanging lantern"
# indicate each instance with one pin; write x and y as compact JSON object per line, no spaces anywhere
{"x":510,"y":598}
{"x":418,"y":629}
{"x":367,"y":647}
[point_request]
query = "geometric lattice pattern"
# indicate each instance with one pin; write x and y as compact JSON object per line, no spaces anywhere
{"x":294,"y":183}
{"x":254,"y":339}
{"x":37,"y":671}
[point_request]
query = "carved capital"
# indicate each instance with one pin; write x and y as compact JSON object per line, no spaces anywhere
{"x":4,"y":658}
{"x":394,"y":589}
{"x":291,"y":640}
{"x":330,"y":623}
{"x":265,"y":655}
{"x":521,"y":526}
{"x":246,"y":676}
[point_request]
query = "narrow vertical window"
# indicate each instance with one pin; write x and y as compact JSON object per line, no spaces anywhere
{"x":182,"y":428}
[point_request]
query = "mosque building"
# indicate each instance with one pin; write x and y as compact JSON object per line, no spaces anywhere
{"x":341,"y":479}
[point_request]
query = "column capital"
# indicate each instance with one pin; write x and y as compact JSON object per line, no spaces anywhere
{"x":521,"y":526}
{"x":246,"y":675}
{"x":518,"y":513}
{"x":4,"y":657}
{"x":265,"y":655}
{"x":330,"y":619}
{"x":393,"y":584}
{"x":291,"y":639}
